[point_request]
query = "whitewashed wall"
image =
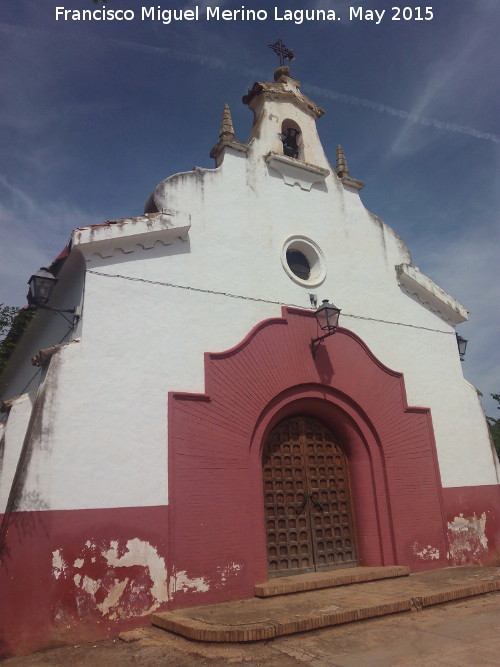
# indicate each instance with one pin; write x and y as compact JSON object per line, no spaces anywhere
{"x":105,"y":439}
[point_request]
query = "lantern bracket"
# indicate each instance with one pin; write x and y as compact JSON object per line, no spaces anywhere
{"x":76,"y":312}
{"x":316,"y":342}
{"x":41,"y":285}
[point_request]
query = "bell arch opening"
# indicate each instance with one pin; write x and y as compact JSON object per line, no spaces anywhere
{"x":307,"y":500}
{"x":291,"y":139}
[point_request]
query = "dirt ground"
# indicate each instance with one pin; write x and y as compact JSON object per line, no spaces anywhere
{"x":464,"y":633}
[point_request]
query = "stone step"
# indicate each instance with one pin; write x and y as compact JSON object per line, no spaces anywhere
{"x":314,"y":580}
{"x":265,"y":618}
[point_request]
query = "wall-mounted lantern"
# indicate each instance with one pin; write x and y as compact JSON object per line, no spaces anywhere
{"x":462,"y":346}
{"x":41,"y":285}
{"x":328,"y":319}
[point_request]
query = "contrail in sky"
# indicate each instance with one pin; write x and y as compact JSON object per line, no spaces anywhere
{"x":407,"y":115}
{"x":217,"y":63}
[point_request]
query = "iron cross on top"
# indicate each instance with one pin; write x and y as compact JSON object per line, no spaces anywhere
{"x":280,"y":50}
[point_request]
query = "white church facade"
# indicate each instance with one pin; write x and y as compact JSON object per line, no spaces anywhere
{"x":180,"y":440}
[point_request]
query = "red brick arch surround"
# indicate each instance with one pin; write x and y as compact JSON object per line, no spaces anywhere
{"x":217,"y":532}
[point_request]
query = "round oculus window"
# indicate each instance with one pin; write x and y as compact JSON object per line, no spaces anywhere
{"x":298,"y":264}
{"x":303,"y":261}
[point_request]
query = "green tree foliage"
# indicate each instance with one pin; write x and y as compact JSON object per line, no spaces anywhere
{"x":494,"y":425}
{"x":13,"y":322}
{"x":7,"y":316}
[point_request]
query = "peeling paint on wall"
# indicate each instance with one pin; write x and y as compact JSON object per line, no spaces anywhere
{"x":113,"y":597}
{"x":143,"y":554}
{"x":181,"y":582}
{"x":425,"y":553}
{"x":58,"y":564}
{"x":117,"y":580}
{"x":90,"y":586}
{"x":467,"y":539}
{"x":228,"y":571}
{"x":123,"y":579}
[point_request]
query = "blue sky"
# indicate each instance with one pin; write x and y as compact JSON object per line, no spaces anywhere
{"x":94,"y":114}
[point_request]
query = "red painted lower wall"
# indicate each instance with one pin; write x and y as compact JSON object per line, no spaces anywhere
{"x":473,"y":524}
{"x":71,"y":576}
{"x":58,"y":568}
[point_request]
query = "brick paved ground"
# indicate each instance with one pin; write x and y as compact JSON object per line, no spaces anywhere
{"x":464,"y":633}
{"x":257,"y":619}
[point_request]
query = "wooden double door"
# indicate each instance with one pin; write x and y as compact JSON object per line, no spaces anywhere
{"x":307,"y":499}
